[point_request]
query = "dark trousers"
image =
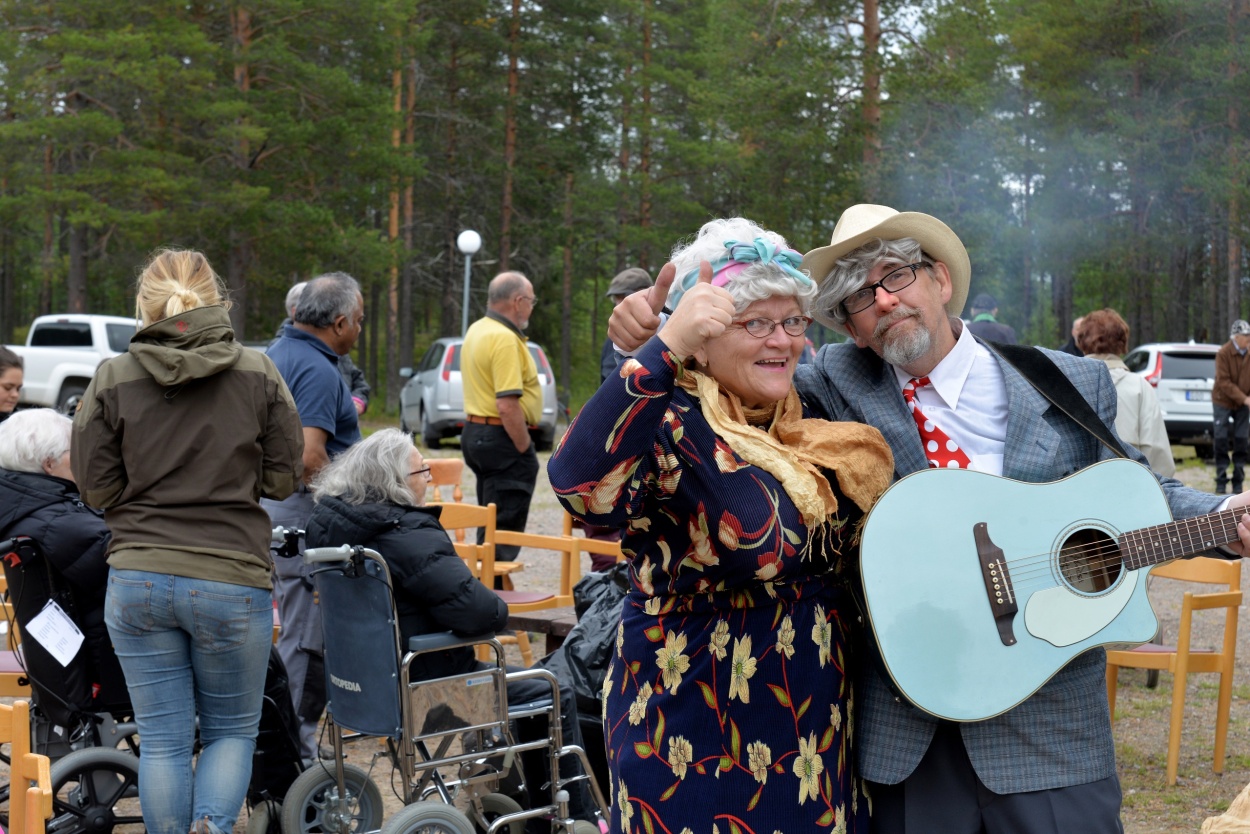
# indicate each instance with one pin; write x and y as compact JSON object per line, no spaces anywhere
{"x":944,"y":796}
{"x":1236,"y":422}
{"x":524,"y":692}
{"x":505,"y":477}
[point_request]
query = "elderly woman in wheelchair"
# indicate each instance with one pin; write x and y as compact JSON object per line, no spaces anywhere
{"x":65,"y":562}
{"x":372,"y":496}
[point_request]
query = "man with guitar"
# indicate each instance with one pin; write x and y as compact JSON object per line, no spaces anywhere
{"x":896,"y":284}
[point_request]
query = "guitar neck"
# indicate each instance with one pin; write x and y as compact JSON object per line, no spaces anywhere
{"x":1178,"y":539}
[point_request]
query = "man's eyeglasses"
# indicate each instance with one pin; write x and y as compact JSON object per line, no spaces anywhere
{"x":424,"y":471}
{"x":761,"y":328}
{"x":895,"y":281}
{"x":531,"y":299}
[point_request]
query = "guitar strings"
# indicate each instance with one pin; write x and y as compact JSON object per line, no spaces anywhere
{"x":1099,"y":556}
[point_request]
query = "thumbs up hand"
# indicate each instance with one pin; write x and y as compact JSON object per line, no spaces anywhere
{"x":703,"y":314}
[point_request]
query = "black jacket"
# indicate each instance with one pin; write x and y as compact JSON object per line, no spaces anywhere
{"x":434,"y":590}
{"x":74,"y":540}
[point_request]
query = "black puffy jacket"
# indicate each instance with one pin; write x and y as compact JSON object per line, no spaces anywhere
{"x":434,"y":590}
{"x":74,"y":540}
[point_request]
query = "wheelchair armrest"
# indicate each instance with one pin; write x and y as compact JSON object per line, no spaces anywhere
{"x":442,"y":640}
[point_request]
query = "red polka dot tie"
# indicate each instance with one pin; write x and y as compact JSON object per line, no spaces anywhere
{"x":942,"y":452}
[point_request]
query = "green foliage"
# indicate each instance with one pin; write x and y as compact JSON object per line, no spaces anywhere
{"x":1089,"y":152}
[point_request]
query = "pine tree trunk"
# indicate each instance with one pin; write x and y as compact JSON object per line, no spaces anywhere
{"x":509,"y":136}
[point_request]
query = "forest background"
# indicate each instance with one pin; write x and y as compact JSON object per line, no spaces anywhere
{"x":1089,"y":153}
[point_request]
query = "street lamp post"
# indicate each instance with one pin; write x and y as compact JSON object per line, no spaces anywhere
{"x":468,"y":243}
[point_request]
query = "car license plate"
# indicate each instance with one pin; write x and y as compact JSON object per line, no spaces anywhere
{"x":1198,"y":396}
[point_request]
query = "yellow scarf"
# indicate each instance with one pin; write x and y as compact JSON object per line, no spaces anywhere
{"x":793,"y":449}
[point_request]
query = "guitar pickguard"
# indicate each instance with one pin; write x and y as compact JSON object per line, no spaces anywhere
{"x":1062,"y":617}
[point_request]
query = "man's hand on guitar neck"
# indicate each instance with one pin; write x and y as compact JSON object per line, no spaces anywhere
{"x":1241,"y":500}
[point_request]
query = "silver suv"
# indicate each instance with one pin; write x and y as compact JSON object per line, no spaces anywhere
{"x":1183,"y":374}
{"x":432,"y":401}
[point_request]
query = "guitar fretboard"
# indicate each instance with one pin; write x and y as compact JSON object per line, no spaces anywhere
{"x":1178,"y":539}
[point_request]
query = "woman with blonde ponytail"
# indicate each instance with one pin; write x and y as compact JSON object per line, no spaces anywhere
{"x":177,"y":439}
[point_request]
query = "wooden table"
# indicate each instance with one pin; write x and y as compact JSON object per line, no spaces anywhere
{"x":555,"y":623}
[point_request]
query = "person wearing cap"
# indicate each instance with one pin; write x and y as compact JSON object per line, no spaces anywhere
{"x":1230,"y":405}
{"x":728,"y":699}
{"x":626,"y":282}
{"x":985,"y":324}
{"x":896,"y":283}
{"x":502,"y":399}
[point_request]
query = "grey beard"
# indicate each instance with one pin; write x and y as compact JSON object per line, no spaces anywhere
{"x":905,"y":349}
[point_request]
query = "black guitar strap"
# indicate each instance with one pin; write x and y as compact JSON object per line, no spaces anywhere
{"x":1040,"y":372}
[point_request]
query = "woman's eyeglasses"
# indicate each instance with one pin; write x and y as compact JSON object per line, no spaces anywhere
{"x":424,"y":471}
{"x":761,"y":328}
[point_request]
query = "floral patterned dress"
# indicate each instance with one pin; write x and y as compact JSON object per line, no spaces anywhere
{"x":727,"y":706}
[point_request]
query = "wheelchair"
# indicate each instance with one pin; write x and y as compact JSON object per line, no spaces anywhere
{"x":80,"y":713}
{"x":450,"y":739}
{"x":284,"y":796}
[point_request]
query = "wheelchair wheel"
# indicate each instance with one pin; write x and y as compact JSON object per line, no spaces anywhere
{"x":494,"y":806}
{"x":312,"y":803}
{"x":584,"y":827}
{"x":428,"y":818}
{"x":95,"y":791}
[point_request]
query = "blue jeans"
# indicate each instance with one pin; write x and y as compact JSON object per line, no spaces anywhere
{"x":191,"y":646}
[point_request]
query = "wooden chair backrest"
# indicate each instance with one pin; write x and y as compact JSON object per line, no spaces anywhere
{"x":445,"y":472}
{"x":1203,"y":569}
{"x":565,"y":548}
{"x":458,"y":519}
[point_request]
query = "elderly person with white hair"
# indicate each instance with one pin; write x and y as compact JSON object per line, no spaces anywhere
{"x":39,"y":499}
{"x":728,"y":700}
{"x":373,"y":495}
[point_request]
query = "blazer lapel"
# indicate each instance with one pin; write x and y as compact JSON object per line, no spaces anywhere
{"x":1032,"y":442}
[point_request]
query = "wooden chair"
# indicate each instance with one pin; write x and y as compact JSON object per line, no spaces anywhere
{"x":565,"y":548}
{"x":29,"y":810}
{"x":503,"y":570}
{"x":1182,"y":659}
{"x":445,"y":472}
{"x":459,"y":518}
{"x":13,"y":680}
{"x":594,"y":546}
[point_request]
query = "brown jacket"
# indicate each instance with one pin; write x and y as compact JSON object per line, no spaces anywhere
{"x":177,"y":439}
{"x":1232,"y":377}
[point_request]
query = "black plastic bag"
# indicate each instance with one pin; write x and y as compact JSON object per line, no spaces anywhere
{"x":582,"y":660}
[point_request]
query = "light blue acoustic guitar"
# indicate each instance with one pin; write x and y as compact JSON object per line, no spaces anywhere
{"x":980,"y":588}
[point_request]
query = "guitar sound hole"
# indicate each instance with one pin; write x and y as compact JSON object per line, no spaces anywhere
{"x":1090,"y":561}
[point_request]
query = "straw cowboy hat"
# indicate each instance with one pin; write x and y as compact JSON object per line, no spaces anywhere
{"x":862,"y":223}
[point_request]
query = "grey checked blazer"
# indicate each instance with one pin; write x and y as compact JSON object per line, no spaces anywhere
{"x":1062,"y":734}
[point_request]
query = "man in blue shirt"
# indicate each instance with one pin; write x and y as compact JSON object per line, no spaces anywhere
{"x":327,"y":323}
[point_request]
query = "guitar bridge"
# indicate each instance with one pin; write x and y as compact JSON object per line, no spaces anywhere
{"x":998,"y":590}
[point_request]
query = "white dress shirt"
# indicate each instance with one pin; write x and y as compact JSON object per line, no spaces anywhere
{"x":967,"y":399}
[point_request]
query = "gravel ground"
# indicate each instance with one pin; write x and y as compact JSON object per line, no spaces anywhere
{"x":1150,"y":806}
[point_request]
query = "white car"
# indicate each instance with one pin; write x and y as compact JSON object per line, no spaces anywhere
{"x":432,"y":401}
{"x":1183,"y":374}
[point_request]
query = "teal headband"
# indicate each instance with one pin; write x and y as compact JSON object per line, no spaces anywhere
{"x":737,"y":258}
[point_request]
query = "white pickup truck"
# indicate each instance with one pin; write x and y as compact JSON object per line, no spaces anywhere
{"x":62,"y":352}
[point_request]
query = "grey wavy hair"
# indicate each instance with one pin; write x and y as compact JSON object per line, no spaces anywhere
{"x":325,"y":298}
{"x":755,"y":283}
{"x":33,"y":437}
{"x":374,"y":470}
{"x":292,"y":298}
{"x":851,"y":272}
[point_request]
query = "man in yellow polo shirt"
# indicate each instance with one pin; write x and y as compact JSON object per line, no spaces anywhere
{"x":501,"y":401}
